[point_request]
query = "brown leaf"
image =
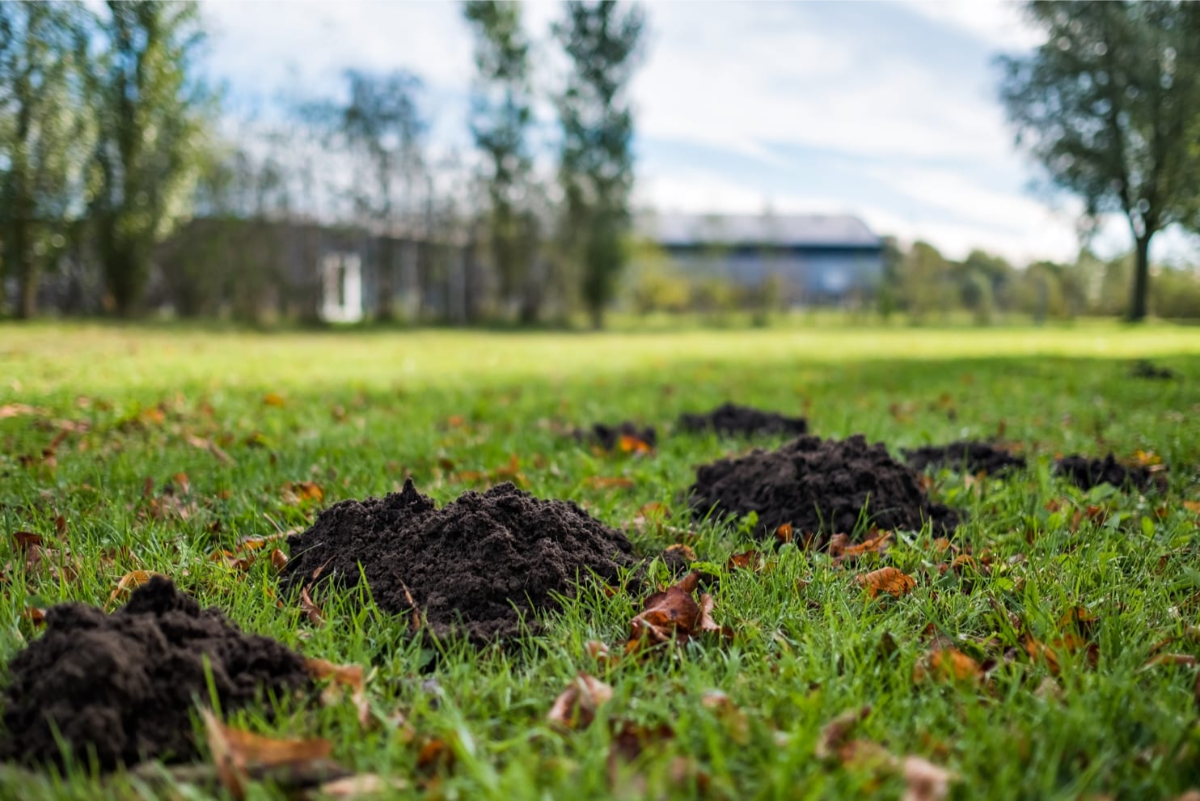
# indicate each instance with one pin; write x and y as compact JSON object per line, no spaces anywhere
{"x":783,"y":534}
{"x":238,"y":755}
{"x":599,"y":651}
{"x":132,"y":580}
{"x":279,"y":559}
{"x":349,"y":677}
{"x":362,"y":785}
{"x":1039,"y":651}
{"x":684,"y":551}
{"x":435,"y":754}
{"x":60,"y":525}
{"x":631,"y":444}
{"x":947,"y":663}
{"x":311,"y":609}
{"x":842,"y":549}
{"x":24,"y":539}
{"x":19,"y":410}
{"x":836,"y":733}
{"x":610,"y":482}
{"x":34,"y":615}
{"x":1179,"y":660}
{"x":926,"y":781}
{"x":210,"y":446}
{"x":575,"y":707}
{"x":673,"y":615}
{"x":298,"y":492}
{"x":274,"y":399}
{"x":886,"y":579}
{"x":746,"y":560}
{"x":630,"y":741}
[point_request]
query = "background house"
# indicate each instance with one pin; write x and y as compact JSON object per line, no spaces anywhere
{"x":819,"y":259}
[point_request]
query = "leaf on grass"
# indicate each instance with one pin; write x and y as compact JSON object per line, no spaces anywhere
{"x":746,"y":560}
{"x":842,"y":549}
{"x":1192,"y":506}
{"x":925,"y":781}
{"x":783,"y":534}
{"x":19,"y":410}
{"x":575,"y":707}
{"x":240,"y":756}
{"x":35,"y":616}
{"x":947,"y":663}
{"x":836,"y":733}
{"x":631,"y":444}
{"x":684,"y":552}
{"x":673,"y":615}
{"x":599,"y":651}
{"x":131,"y":581}
{"x":735,"y":721}
{"x":24,"y":539}
{"x":886,"y":579}
{"x":279,"y":559}
{"x":434,"y":755}
{"x":610,"y":482}
{"x":629,"y":741}
{"x":309,"y":608}
{"x":298,"y":492}
{"x":1040,"y":652}
{"x":342,"y":677}
{"x":274,"y":399}
{"x":362,"y":785}
{"x":210,"y":446}
{"x":1178,"y":660}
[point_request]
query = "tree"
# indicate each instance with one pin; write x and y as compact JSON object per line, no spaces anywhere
{"x":1105,"y":105}
{"x":149,"y":107}
{"x":43,"y":137}
{"x":602,"y":40}
{"x":924,"y":282}
{"x":501,"y":113}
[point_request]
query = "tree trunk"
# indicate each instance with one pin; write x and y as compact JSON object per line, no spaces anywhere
{"x":596,"y":310}
{"x":27,"y":302}
{"x":24,"y":268}
{"x":1141,"y":279}
{"x":385,"y":291}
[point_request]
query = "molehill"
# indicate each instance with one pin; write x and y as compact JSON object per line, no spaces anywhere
{"x":123,"y":685}
{"x":969,"y":456}
{"x":1087,"y":473}
{"x":609,"y":436}
{"x":471,"y":568}
{"x":729,"y":419}
{"x":819,"y":487}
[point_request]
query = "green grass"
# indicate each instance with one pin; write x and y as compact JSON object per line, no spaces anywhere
{"x":363,"y":409}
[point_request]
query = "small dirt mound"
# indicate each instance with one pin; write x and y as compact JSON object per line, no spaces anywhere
{"x":1087,"y":473}
{"x":470,"y":568}
{"x":1150,"y":371}
{"x":609,"y":437}
{"x":819,"y":486}
{"x":729,"y":419}
{"x":967,"y":456}
{"x":123,"y":685}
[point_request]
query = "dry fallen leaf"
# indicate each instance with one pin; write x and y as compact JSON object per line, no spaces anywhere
{"x":279,"y":559}
{"x":746,"y":560}
{"x":311,"y":609}
{"x":24,"y":539}
{"x":836,"y":733}
{"x":674,"y":615}
{"x":575,"y":707}
{"x":926,"y":781}
{"x":298,"y":492}
{"x":842,"y":549}
{"x":947,"y":663}
{"x":1179,"y":660}
{"x":274,"y":399}
{"x":351,"y":677}
{"x":131,"y":581}
{"x":362,"y":785}
{"x":886,"y":579}
{"x":631,"y":444}
{"x":610,"y":482}
{"x":240,"y":756}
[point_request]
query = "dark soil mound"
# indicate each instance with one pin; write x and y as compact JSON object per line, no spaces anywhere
{"x":1087,"y":473}
{"x":819,"y":486}
{"x":733,"y":420}
{"x":966,"y":456}
{"x":609,"y":437}
{"x":470,"y":567}
{"x":124,"y":684}
{"x":1149,"y":370}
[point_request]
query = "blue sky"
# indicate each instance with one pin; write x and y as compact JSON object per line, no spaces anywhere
{"x":885,"y":110}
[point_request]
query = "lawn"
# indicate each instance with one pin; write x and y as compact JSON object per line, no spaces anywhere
{"x":154,"y":448}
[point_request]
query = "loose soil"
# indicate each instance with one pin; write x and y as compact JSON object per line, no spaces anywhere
{"x":1150,"y":371}
{"x":968,"y":456}
{"x":819,"y":487}
{"x":729,"y":419}
{"x":609,"y":436}
{"x":472,"y":568}
{"x":123,"y":685}
{"x":1087,"y":473}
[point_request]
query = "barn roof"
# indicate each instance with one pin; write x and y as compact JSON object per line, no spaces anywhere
{"x":786,"y":230}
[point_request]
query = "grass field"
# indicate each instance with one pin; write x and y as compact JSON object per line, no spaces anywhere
{"x":229,"y":419}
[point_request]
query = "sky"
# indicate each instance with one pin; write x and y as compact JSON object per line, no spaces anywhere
{"x":885,"y":110}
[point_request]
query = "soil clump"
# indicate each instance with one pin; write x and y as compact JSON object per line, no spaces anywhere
{"x":472,"y":568}
{"x":729,"y":419}
{"x":123,"y":684}
{"x":819,"y":486}
{"x":609,"y":437}
{"x":967,"y":456}
{"x":1150,"y":371}
{"x":1087,"y":473}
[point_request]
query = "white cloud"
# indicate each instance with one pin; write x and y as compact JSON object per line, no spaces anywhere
{"x":1000,"y":22}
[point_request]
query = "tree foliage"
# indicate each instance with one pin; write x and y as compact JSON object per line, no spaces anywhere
{"x":501,"y":113}
{"x":603,"y":41}
{"x":1106,"y":105}
{"x":150,"y":112}
{"x":44,"y":136}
